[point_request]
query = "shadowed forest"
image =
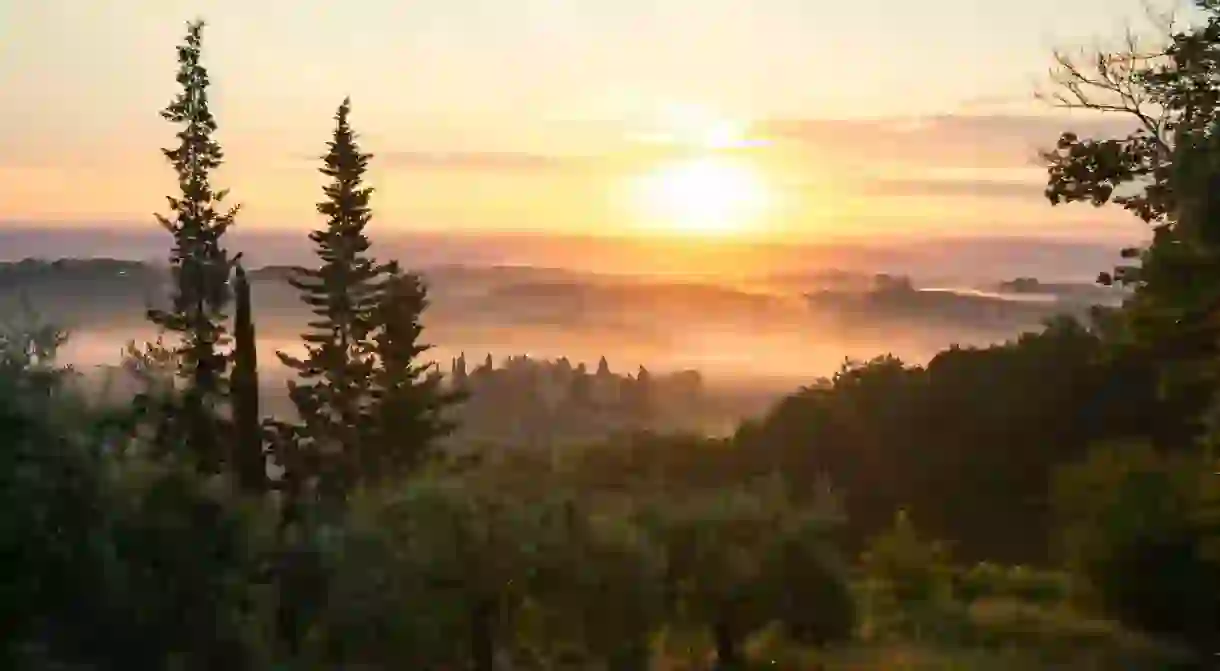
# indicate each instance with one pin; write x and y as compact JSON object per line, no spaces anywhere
{"x":286,"y":475}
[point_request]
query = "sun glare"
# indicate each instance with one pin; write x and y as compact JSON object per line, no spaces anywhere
{"x":703,"y":196}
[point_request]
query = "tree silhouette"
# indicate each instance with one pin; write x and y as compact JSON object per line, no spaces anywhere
{"x":1165,"y":173}
{"x":249,"y":459}
{"x":410,"y":402}
{"x":198,"y":260}
{"x":333,"y":393}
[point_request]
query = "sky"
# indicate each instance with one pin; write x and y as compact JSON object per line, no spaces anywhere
{"x":777,"y":119}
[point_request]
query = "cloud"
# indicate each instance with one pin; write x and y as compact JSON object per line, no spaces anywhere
{"x":957,"y":187}
{"x":1043,"y":129}
{"x":993,"y":101}
{"x":478,"y":161}
{"x":955,"y":140}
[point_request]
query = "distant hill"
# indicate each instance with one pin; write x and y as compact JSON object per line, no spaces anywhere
{"x":1077,"y":291}
{"x":978,"y":258}
{"x":107,"y":292}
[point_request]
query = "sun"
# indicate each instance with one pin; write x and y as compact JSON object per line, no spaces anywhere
{"x":709,"y":195}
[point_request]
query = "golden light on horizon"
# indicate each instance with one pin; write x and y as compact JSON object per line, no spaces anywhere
{"x":708,"y":195}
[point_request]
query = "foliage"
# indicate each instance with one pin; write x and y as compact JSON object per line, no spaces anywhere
{"x":1128,"y":511}
{"x":410,"y":403}
{"x":114,"y":563}
{"x":894,"y":435}
{"x":198,"y":260}
{"x":250,"y":462}
{"x":740,"y":558}
{"x":28,"y":349}
{"x":1165,"y":172}
{"x":183,"y":583}
{"x":332,"y":394}
{"x":471,"y":556}
{"x":986,"y":580}
{"x":370,"y":409}
{"x":601,"y":592}
{"x":49,"y":486}
{"x":910,"y":570}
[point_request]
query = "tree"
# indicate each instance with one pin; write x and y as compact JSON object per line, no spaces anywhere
{"x":914,"y":570}
{"x":1128,"y":511}
{"x":641,"y":399}
{"x":199,"y":262}
{"x":729,"y":557}
{"x":410,"y":404}
{"x":249,"y":459}
{"x":600,"y":592}
{"x":333,"y":393}
{"x":467,"y":558}
{"x":109,"y":561}
{"x":1164,"y":172}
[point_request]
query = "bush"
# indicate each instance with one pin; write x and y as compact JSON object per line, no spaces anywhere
{"x":740,"y":559}
{"x":814,"y":600}
{"x":1134,"y":529}
{"x":445,"y":570}
{"x":986,"y":580}
{"x":909,"y":568}
{"x":111,"y":561}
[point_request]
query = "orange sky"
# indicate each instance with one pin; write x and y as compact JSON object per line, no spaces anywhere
{"x":802,"y":119}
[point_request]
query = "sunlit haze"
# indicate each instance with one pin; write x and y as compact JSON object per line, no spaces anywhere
{"x":776,"y":119}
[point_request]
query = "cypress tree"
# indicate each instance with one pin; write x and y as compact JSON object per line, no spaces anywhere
{"x":411,"y":400}
{"x":250,"y":460}
{"x":198,"y":220}
{"x":332,"y":393}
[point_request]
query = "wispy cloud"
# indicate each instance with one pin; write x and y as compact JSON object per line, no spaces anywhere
{"x":479,"y":161}
{"x":953,"y":187}
{"x":1042,"y":129}
{"x":507,"y":162}
{"x":958,"y":140}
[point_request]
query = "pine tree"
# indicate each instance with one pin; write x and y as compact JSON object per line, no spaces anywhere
{"x":333,"y":393}
{"x":250,"y":460}
{"x":410,"y":410}
{"x":641,"y":400}
{"x":198,"y":221}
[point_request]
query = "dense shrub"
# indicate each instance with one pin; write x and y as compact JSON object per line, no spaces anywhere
{"x":910,"y":568}
{"x":988,"y":580}
{"x":739,"y":559}
{"x":1135,"y":531}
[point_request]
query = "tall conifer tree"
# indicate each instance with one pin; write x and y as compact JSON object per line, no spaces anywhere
{"x":332,"y":395}
{"x":411,"y":399}
{"x":198,"y":220}
{"x":250,"y":461}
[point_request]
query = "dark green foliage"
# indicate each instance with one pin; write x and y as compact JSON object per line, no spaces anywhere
{"x":892,"y":435}
{"x":109,"y":561}
{"x":1170,"y":162}
{"x":199,"y":262}
{"x":410,"y":404}
{"x":906,"y":582}
{"x":370,"y":410}
{"x":1136,"y":528}
{"x":249,"y":457}
{"x":456,"y":545}
{"x":183,"y":573}
{"x":49,"y":494}
{"x":986,"y":580}
{"x":811,"y":581}
{"x":303,"y":571}
{"x":332,"y":395}
{"x":600,"y":591}
{"x":734,"y":560}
